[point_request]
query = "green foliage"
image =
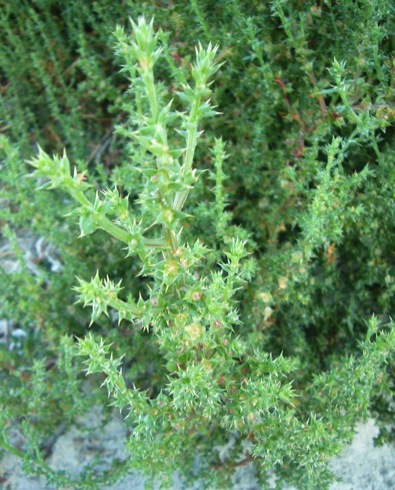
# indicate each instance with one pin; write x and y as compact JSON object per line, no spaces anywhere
{"x":252,"y":290}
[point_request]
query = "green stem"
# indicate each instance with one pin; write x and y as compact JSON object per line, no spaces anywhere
{"x":355,"y":118}
{"x":114,"y":230}
{"x":171,"y":240}
{"x":133,"y":311}
{"x":154,"y":242}
{"x":148,"y":78}
{"x":106,"y":224}
{"x":191,"y":146}
{"x":110,"y":227}
{"x":11,"y":449}
{"x":285,"y":23}
{"x":180,"y":197}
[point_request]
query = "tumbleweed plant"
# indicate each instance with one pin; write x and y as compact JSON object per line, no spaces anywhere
{"x":219,"y":321}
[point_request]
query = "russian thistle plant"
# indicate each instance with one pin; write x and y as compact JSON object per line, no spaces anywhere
{"x":207,"y":374}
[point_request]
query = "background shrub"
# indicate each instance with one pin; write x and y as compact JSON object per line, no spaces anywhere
{"x":306,"y":96}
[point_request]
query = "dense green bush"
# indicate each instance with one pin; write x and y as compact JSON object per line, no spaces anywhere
{"x":257,"y":268}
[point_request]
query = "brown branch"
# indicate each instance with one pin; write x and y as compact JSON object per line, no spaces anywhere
{"x":295,"y":114}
